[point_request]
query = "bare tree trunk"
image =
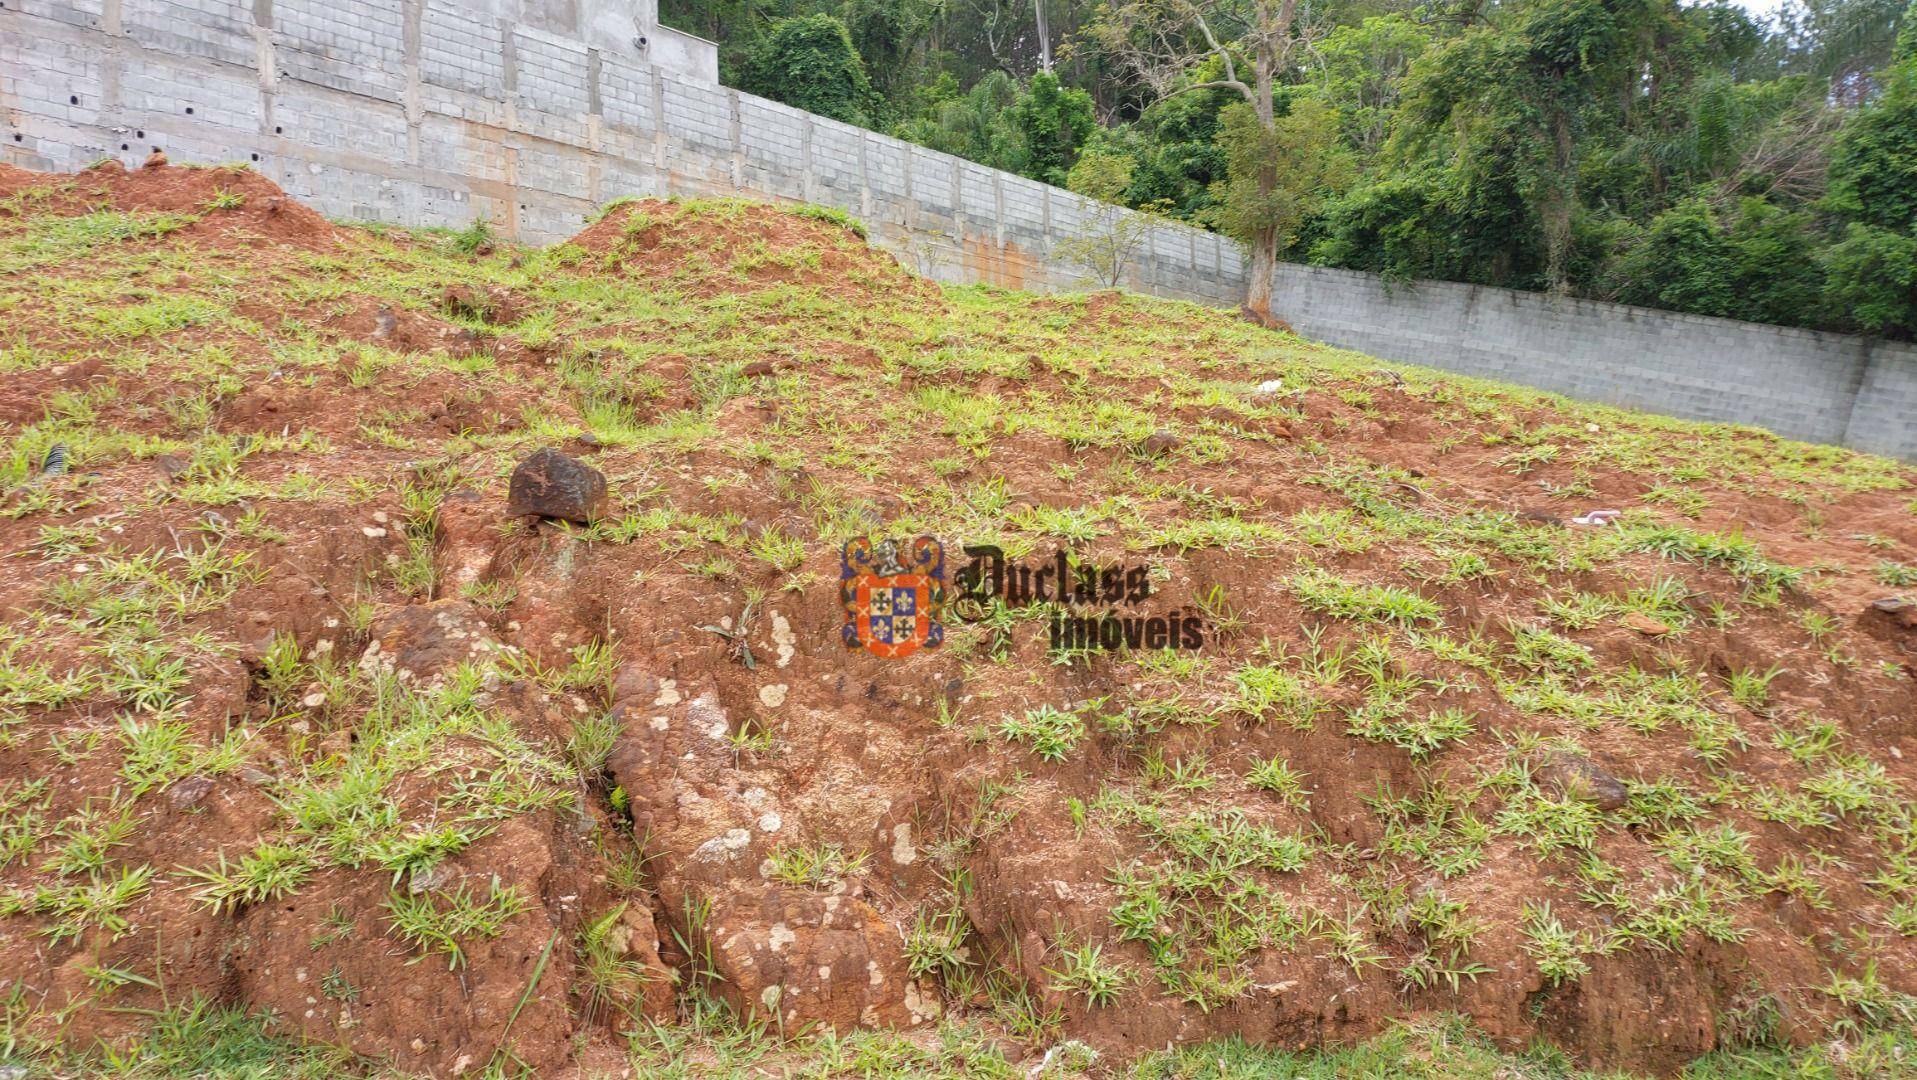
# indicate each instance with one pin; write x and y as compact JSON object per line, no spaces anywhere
{"x":1556,"y":209}
{"x":1264,"y":242}
{"x":1264,"y":266}
{"x":1044,"y":36}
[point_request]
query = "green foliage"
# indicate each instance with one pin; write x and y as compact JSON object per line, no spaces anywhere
{"x":1360,"y":73}
{"x":809,"y":63}
{"x":1110,"y":235}
{"x":1872,"y":281}
{"x":1277,"y":177}
{"x":1050,"y":122}
{"x":1684,"y":156}
{"x":441,"y":922}
{"x":1051,"y":732}
{"x":1874,"y":163}
{"x":1101,"y":175}
{"x":1758,"y":267}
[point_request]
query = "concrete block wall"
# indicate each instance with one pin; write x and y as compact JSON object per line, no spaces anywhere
{"x":534,"y":113}
{"x":1828,"y":388}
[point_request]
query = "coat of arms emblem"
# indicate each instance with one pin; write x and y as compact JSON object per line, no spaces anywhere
{"x":893,"y":595}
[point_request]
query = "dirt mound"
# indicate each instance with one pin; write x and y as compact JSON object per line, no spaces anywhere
{"x":226,"y":202}
{"x":1311,"y":693}
{"x":714,"y":246}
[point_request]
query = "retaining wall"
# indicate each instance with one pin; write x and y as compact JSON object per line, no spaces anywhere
{"x":440,"y":111}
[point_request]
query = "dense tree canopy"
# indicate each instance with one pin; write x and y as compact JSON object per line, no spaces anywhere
{"x":1673,"y":153}
{"x":808,"y":61}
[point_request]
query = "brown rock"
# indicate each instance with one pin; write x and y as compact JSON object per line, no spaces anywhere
{"x":422,"y":641}
{"x":1574,"y":776}
{"x":495,"y":306}
{"x":550,"y":484}
{"x":811,"y":957}
{"x":1160,"y":443}
{"x":155,"y":160}
{"x":1902,"y":612}
{"x":1645,"y":625}
{"x":633,"y":681}
{"x":465,"y":301}
{"x":171,"y":466}
{"x":462,"y":340}
{"x":188,"y":792}
{"x":636,"y":936}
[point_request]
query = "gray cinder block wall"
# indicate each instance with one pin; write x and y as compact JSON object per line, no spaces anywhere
{"x":535,"y":112}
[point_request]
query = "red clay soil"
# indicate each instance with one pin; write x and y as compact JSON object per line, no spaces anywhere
{"x":358,"y":391}
{"x":264,"y":212}
{"x":706,"y":241}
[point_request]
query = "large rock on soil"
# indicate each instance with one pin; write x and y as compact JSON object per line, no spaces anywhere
{"x":550,"y":484}
{"x":423,"y":641}
{"x":1574,"y":776}
{"x":812,"y":957}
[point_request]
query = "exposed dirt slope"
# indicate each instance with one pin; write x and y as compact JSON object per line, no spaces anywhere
{"x":292,"y":715}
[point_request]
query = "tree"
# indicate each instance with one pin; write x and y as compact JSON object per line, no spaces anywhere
{"x":1106,"y":245}
{"x":1164,"y":41}
{"x":887,"y":34}
{"x":1358,"y":70}
{"x":1049,"y":122}
{"x":809,"y":63}
{"x":1874,"y":164}
{"x":1841,"y":41}
{"x":1034,"y":131}
{"x":1279,"y":173}
{"x":1873,"y":281}
{"x":966,"y":125}
{"x":1514,"y":103}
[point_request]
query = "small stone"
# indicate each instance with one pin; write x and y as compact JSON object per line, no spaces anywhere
{"x":1160,"y":443}
{"x":156,"y":160}
{"x":255,"y":775}
{"x":464,"y":301}
{"x":1890,"y":605}
{"x":550,"y":484}
{"x":188,"y":792}
{"x":758,"y":368}
{"x":385,"y":324}
{"x":426,"y":877}
{"x":171,"y":466}
{"x":1575,"y":776}
{"x":1645,"y":625}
